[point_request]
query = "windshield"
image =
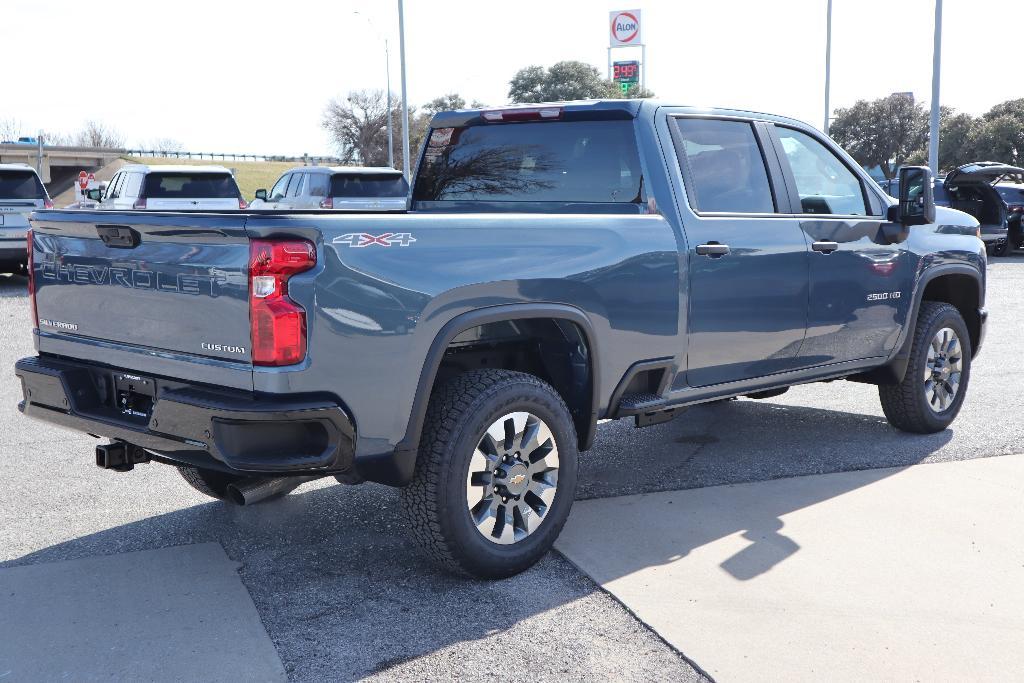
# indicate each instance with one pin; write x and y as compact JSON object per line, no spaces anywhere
{"x":569,"y":161}
{"x":20,"y":185}
{"x":191,"y":186}
{"x":365,"y":185}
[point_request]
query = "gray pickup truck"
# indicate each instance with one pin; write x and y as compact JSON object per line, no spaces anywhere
{"x":558,"y":265}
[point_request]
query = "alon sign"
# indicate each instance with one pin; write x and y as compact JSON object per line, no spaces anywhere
{"x":625,"y":28}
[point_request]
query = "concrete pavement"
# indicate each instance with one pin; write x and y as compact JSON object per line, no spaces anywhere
{"x":885,"y":574}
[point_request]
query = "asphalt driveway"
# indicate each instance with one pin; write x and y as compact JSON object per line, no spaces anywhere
{"x":343,"y":593}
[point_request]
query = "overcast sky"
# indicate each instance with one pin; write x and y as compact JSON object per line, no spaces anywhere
{"x":254,"y":76}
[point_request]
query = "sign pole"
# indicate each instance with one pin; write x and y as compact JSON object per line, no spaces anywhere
{"x":643,"y":66}
{"x":405,"y":101}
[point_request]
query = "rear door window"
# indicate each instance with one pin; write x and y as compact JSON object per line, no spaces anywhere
{"x":724,"y":165}
{"x":825,"y":184}
{"x":20,"y":185}
{"x":555,"y":161}
{"x":162,"y":185}
{"x":368,"y":185}
{"x":318,"y":184}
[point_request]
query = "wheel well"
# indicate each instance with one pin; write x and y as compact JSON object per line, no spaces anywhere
{"x":555,"y":350}
{"x":962,"y":292}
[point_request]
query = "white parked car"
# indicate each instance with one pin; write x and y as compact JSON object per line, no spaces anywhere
{"x":170,"y":188}
{"x":21,"y":193}
{"x":349,"y":188}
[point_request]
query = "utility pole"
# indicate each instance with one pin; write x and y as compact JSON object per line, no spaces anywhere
{"x":933,"y":137}
{"x":828,"y":64}
{"x":405,"y":102}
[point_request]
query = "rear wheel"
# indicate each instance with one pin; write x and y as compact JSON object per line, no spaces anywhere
{"x":495,"y":475}
{"x":208,"y":482}
{"x":933,"y":389}
{"x":1002,"y":249}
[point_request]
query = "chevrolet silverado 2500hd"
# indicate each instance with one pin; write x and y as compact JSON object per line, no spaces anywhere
{"x":558,"y":264}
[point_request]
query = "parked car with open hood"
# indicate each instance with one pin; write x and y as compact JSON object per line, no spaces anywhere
{"x":170,"y":188}
{"x":971,"y":188}
{"x":21,"y":193}
{"x":336,"y":187}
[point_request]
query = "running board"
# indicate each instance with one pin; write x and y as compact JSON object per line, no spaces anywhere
{"x":647,"y":409}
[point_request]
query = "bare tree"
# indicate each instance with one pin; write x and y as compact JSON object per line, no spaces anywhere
{"x":358,"y":127}
{"x":60,"y":139}
{"x":95,"y":134}
{"x":162,"y":145}
{"x":10,"y":129}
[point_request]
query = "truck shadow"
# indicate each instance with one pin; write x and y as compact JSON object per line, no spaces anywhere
{"x":13,"y":286}
{"x":344,"y":593}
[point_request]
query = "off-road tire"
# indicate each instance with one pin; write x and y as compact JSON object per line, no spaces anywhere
{"x":435,"y":502}
{"x":208,"y":482}
{"x":905,"y":404}
{"x":1003,"y":248}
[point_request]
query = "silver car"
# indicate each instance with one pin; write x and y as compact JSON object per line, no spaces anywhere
{"x":21,"y":193}
{"x":348,"y":188}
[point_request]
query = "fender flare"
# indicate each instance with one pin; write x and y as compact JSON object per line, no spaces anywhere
{"x":397,"y":470}
{"x":895,"y":369}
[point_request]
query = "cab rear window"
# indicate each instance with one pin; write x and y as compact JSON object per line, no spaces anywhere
{"x":190,"y":185}
{"x":355,"y":185}
{"x":20,"y":185}
{"x":565,"y":161}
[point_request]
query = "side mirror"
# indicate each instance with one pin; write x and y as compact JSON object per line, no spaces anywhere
{"x":917,"y":197}
{"x":95,"y":195}
{"x":261,"y":194}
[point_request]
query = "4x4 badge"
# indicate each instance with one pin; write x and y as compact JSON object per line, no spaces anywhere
{"x":365,"y":239}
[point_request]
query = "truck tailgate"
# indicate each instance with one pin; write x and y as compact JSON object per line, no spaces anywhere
{"x":144,"y":282}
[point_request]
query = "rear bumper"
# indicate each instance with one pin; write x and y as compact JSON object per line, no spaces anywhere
{"x":227,"y":430}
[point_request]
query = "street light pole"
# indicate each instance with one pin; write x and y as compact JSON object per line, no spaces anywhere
{"x":405,"y":102}
{"x":387,"y":76}
{"x":933,"y":137}
{"x":387,"y":71}
{"x":828,"y":64}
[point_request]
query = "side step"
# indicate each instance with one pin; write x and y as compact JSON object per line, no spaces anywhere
{"x":647,"y":409}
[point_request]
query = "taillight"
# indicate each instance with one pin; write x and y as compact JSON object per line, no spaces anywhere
{"x":47,"y":203}
{"x":277,"y":324}
{"x":523,"y":114}
{"x":242,"y":204}
{"x":327,"y":203}
{"x":31,"y":279}
{"x":140,"y":204}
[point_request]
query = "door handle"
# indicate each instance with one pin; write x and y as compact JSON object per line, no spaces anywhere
{"x":712,"y":249}
{"x":825,"y":247}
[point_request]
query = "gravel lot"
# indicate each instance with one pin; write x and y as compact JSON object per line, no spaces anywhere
{"x":343,"y":593}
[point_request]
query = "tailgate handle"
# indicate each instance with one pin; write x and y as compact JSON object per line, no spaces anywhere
{"x":120,"y":236}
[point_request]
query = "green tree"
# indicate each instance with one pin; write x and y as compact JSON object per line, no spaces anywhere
{"x":568,"y":80}
{"x":999,"y":136}
{"x":957,"y":133}
{"x":885,"y":132}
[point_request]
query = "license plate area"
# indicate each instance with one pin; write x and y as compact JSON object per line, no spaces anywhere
{"x":134,"y":396}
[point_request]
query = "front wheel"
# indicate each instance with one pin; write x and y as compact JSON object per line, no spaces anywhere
{"x":495,"y":474}
{"x":933,"y":389}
